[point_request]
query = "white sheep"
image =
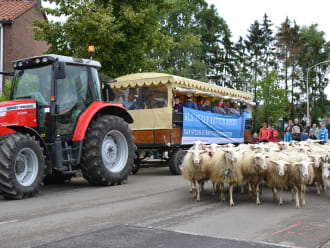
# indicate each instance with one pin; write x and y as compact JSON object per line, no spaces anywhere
{"x":300,"y":174}
{"x":277,"y":173}
{"x":225,"y":169}
{"x":254,"y":166}
{"x":195,"y":169}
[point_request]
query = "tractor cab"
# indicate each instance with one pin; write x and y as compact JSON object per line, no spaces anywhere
{"x":63,"y":87}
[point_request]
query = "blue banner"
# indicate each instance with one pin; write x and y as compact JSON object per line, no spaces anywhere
{"x":211,"y":128}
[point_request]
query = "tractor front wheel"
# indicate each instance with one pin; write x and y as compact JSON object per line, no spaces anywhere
{"x":108,"y":151}
{"x":22,"y":166}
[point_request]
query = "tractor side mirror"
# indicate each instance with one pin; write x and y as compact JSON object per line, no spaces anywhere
{"x":107,"y":92}
{"x":59,"y":70}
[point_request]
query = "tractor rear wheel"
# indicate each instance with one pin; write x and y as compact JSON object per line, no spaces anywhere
{"x":108,"y":151}
{"x":22,"y":166}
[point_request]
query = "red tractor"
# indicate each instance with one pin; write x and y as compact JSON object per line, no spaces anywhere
{"x":57,"y":122}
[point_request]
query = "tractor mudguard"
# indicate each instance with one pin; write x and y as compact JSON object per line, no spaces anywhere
{"x":102,"y":109}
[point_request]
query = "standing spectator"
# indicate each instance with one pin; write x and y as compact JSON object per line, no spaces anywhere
{"x":315,"y":129}
{"x":312,"y":135}
{"x":273,"y":134}
{"x":308,"y":128}
{"x":190,"y":103}
{"x":264,"y":133}
{"x":287,"y":135}
{"x":296,"y":130}
{"x":323,"y":134}
{"x":290,"y":123}
{"x":255,"y":139}
{"x":177,"y":106}
{"x":304,"y":136}
{"x":200,"y":103}
{"x":328,"y":127}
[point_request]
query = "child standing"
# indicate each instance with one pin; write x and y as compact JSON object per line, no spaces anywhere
{"x":323,"y":134}
{"x":287,"y":135}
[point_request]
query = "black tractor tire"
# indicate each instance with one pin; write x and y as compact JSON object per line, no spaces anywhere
{"x":175,"y":161}
{"x":57,"y":178}
{"x":16,"y":149}
{"x":107,"y":133}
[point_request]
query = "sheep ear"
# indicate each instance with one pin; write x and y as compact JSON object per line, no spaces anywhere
{"x":297,"y":164}
{"x":267,"y":156}
{"x":273,"y":161}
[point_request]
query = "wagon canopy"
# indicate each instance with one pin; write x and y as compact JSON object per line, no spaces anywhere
{"x":161,"y":86}
{"x":179,"y":84}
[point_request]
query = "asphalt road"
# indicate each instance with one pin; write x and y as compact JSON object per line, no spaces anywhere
{"x":155,"y":209}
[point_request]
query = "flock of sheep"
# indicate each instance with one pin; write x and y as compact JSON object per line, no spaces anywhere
{"x":279,"y":165}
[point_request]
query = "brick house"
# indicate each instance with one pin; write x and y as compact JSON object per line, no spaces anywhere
{"x":16,"y":35}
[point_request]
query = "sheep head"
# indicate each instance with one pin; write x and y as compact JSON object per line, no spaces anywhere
{"x":316,"y":158}
{"x":260,"y":160}
{"x":231,"y":155}
{"x":282,"y":166}
{"x":211,"y":149}
{"x":196,"y":156}
{"x":303,"y":167}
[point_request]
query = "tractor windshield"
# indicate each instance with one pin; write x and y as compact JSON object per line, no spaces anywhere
{"x":34,"y":83}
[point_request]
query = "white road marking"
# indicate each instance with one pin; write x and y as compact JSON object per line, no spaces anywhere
{"x":7,"y":222}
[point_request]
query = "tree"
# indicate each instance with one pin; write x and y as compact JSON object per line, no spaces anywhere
{"x":122,"y":32}
{"x":315,"y":49}
{"x":273,"y":97}
{"x":289,"y":42}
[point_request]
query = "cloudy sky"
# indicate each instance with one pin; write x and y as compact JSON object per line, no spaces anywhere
{"x":240,"y":14}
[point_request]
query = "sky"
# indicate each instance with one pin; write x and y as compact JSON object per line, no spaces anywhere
{"x":240,"y":14}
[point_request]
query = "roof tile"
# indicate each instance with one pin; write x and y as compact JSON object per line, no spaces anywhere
{"x":11,"y":9}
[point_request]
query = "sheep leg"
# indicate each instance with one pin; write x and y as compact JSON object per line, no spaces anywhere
{"x":199,"y":190}
{"x":216,"y":188}
{"x":281,"y":198}
{"x":261,"y":188}
{"x":250,"y":191}
{"x":317,"y":188}
{"x":194,"y":191}
{"x":258,"y":192}
{"x":297,"y":196}
{"x":231,"y":194}
{"x":303,"y":190}
{"x":274,"y":194}
{"x":242,"y":188}
{"x":191,"y":187}
{"x":202,"y":186}
{"x":292,"y":194}
{"x":223,"y":196}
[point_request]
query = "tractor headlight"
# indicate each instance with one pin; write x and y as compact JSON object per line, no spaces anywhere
{"x":44,"y":60}
{"x":37,"y":61}
{"x":15,"y":65}
{"x":20,"y":64}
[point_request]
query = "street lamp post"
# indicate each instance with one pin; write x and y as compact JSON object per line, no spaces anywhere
{"x":307,"y":90}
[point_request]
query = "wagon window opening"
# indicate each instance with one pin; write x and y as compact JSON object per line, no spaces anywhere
{"x":142,"y":98}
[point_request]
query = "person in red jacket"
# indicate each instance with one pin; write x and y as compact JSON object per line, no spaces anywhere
{"x":264,"y":133}
{"x":273,"y":135}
